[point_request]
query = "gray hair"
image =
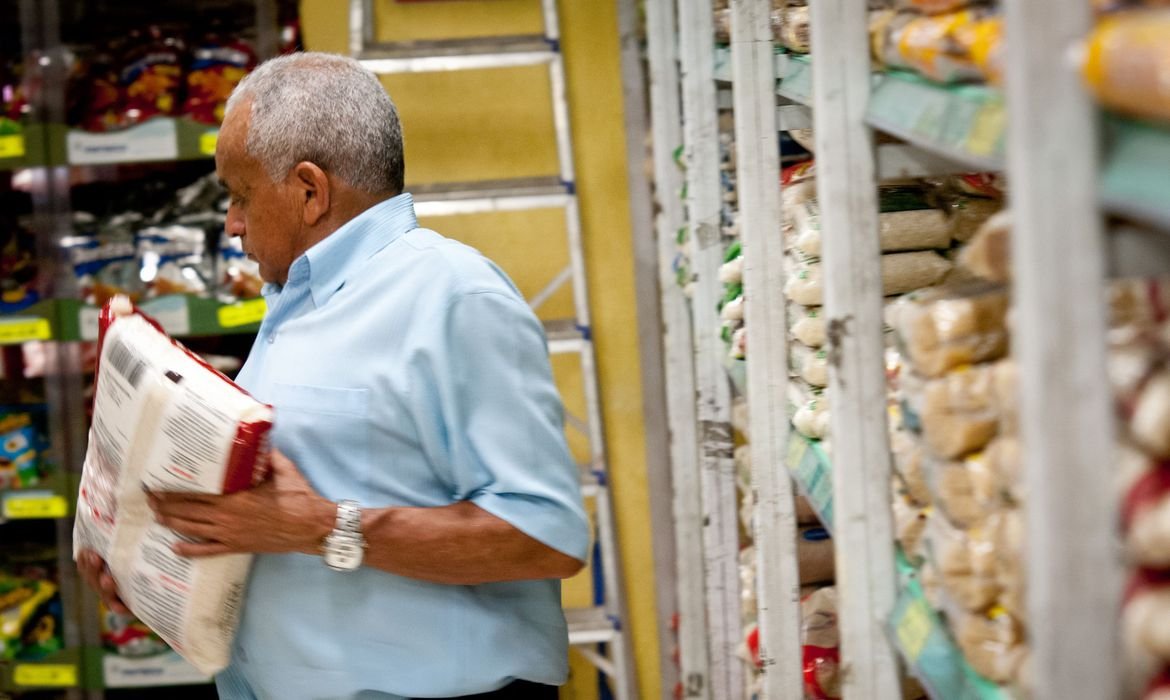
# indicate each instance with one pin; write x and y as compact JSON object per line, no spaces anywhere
{"x":328,"y":110}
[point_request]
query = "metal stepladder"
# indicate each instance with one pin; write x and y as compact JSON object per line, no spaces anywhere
{"x":597,"y":633}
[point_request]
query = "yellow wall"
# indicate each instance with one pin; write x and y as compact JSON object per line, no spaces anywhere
{"x":498,"y":124}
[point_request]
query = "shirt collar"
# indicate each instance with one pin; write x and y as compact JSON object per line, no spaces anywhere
{"x":330,"y":262}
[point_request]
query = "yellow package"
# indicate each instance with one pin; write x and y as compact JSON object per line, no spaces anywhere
{"x":931,"y":45}
{"x":1126,"y":61}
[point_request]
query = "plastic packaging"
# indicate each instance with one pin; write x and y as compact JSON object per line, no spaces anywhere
{"x":794,"y":29}
{"x":1126,"y":61}
{"x":967,"y":492}
{"x":809,"y":408}
{"x":993,"y":643}
{"x":821,"y":641}
{"x":814,"y":554}
{"x":908,"y":464}
{"x":965,"y":562}
{"x":909,"y":524}
{"x":807,"y":324}
{"x":1146,"y":519}
{"x":941,"y":329}
{"x":914,"y":229}
{"x":153,"y":429}
{"x":938,"y":46}
{"x":958,"y":411}
{"x":20,"y":451}
{"x":217,"y":66}
{"x":988,"y":254}
{"x":901,"y":273}
{"x":810,"y":364}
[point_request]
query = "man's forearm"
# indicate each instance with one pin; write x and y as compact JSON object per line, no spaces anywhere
{"x":459,"y":544}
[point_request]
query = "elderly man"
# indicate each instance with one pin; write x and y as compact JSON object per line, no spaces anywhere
{"x":423,"y":503}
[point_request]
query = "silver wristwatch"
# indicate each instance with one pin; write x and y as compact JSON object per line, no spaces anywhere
{"x":345,"y":546}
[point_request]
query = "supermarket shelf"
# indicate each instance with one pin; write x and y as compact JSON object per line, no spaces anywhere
{"x":925,"y":644}
{"x":795,"y":79}
{"x":159,"y":139}
{"x":491,"y":195}
{"x":1136,"y":177}
{"x":723,"y":63}
{"x":61,"y":670}
{"x":180,"y":315}
{"x":51,"y":499}
{"x":813,"y":473}
{"x":590,"y":626}
{"x":107,"y":669}
{"x":965,"y":123}
{"x":459,"y":54}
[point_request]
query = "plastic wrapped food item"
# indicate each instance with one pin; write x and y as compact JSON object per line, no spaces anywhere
{"x":20,"y":450}
{"x":901,"y":273}
{"x":151,"y":430}
{"x":217,"y":66}
{"x":809,"y":407}
{"x":967,"y":215}
{"x":239,"y":276}
{"x":151,"y":78}
{"x":1139,"y":302}
{"x":908,"y":461}
{"x":932,"y":7}
{"x":810,"y":364}
{"x":1009,"y":551}
{"x":104,"y":268}
{"x":173,"y":260}
{"x":967,"y":492}
{"x":988,"y":253}
{"x":1146,"y":518}
{"x":1145,"y":617}
{"x":30,"y":618}
{"x":1126,"y":60}
{"x":807,"y":324}
{"x":1149,"y":419}
{"x":993,"y":643}
{"x":937,"y":46}
{"x":965,"y":562}
{"x":18,"y":267}
{"x":909,"y":524}
{"x":794,"y":29}
{"x":814,"y":554}
{"x":958,"y":411}
{"x":1007,"y":465}
{"x":749,"y":603}
{"x":821,"y":641}
{"x":945,"y":328}
{"x":128,"y":636}
{"x":919,"y":229}
{"x":1006,"y":378}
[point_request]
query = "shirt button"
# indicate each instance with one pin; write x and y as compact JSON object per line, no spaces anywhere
{"x":271,"y":338}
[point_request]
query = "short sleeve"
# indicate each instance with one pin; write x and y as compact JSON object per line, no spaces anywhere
{"x":503,"y":420}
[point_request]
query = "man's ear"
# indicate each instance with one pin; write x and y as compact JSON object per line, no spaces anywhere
{"x":312,"y":186}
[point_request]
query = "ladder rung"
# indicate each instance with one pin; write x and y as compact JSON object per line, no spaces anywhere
{"x":491,"y":195}
{"x":458,"y":54}
{"x":590,"y":626}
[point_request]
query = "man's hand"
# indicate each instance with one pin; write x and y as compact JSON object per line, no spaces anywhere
{"x":281,"y":515}
{"x":95,"y":572}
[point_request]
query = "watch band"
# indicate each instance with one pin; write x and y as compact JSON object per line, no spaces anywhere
{"x":349,"y":517}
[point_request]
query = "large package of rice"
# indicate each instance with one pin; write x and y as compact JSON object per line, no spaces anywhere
{"x":164,"y":420}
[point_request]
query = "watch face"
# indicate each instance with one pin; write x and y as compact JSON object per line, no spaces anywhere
{"x":343,"y":553}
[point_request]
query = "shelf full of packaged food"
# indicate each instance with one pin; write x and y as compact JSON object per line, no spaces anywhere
{"x":49,"y":499}
{"x":58,"y":671}
{"x":809,"y":465}
{"x":105,"y":669}
{"x":926,"y":645}
{"x":1136,"y":178}
{"x":157,"y":139}
{"x":180,"y":315}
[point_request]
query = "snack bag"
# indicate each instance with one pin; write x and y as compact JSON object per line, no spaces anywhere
{"x":19,"y":452}
{"x":239,"y":277}
{"x":152,"y":77}
{"x":164,"y":420}
{"x":173,"y":260}
{"x":30,"y":615}
{"x":217,"y":66}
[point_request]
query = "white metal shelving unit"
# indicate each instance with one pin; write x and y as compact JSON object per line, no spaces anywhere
{"x":1042,"y":129}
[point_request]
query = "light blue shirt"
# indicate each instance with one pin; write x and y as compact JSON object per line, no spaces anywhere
{"x":407,"y":370}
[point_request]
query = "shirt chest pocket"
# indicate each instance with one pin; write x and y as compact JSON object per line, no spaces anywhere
{"x":326,"y":431}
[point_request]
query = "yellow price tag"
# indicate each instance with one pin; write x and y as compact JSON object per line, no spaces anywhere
{"x":12,"y":146}
{"x":23,"y":330}
{"x":987,"y":129}
{"x":29,"y":507}
{"x":243,"y":313}
{"x":45,"y":675}
{"x":207,"y":141}
{"x":914,"y":629}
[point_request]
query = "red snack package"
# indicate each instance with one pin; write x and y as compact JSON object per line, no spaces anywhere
{"x":217,"y":67}
{"x":152,"y":77}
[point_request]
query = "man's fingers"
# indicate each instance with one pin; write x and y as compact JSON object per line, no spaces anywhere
{"x":180,"y":509}
{"x":190,"y":528}
{"x":108,"y":588}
